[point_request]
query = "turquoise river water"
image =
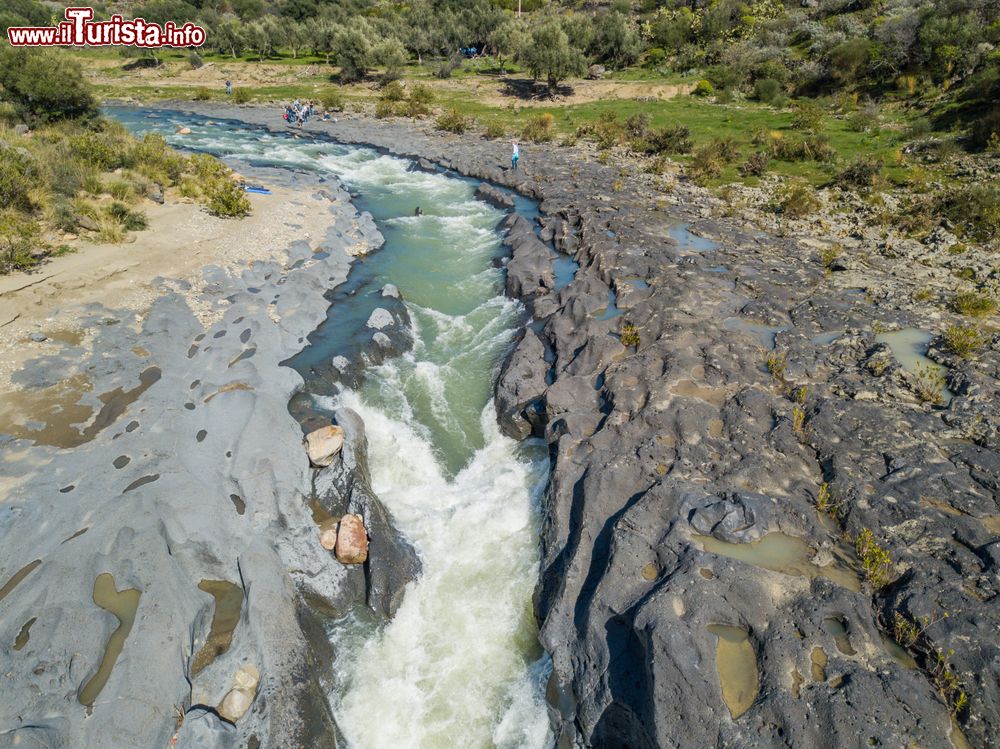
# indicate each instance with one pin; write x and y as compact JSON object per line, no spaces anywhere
{"x":459,"y":665}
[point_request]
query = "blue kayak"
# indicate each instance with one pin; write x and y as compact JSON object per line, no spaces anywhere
{"x":258,"y":190}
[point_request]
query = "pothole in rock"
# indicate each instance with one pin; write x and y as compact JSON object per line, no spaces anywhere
{"x":837,"y":626}
{"x":909,"y":347}
{"x":123,"y":605}
{"x":788,"y":555}
{"x":818,"y":661}
{"x":736,"y":664}
{"x":77,"y":534}
{"x":24,"y":634}
{"x":763,"y":333}
{"x":238,"y":502}
{"x":228,"y":605}
{"x":17,"y":577}
{"x":141,"y":482}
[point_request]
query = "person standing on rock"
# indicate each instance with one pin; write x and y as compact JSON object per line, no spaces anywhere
{"x":515,"y":155}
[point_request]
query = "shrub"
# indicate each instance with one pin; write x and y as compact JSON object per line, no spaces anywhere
{"x":776,"y":364}
{"x":241,"y":95}
{"x":495,"y":129}
{"x":63,"y":217}
{"x":629,"y":335}
{"x":332,"y":100}
{"x":813,"y":148}
{"x":875,"y":561}
{"x":384,"y":108}
{"x":130,"y":220}
{"x":420,"y":100}
{"x":194,"y":60}
{"x":17,"y":238}
{"x":974,"y":210}
{"x":202,"y":94}
{"x":669,"y":140}
{"x":964,"y":340}
{"x":44,"y":85}
{"x":985,"y":129}
{"x":756,"y":164}
{"x":798,"y":200}
{"x":973,"y":304}
{"x":156,"y":160}
{"x":120,"y":189}
{"x":808,"y":117}
{"x":449,"y":66}
{"x":17,"y":172}
{"x":864,"y":173}
{"x":706,"y":164}
{"x":393,"y":91}
{"x":538,"y":128}
{"x":766,"y":90}
{"x":703,"y":88}
{"x":452,"y":121}
{"x":929,"y":384}
{"x":637,"y":125}
{"x":863,"y":120}
{"x":227,"y":199}
{"x":829,"y":254}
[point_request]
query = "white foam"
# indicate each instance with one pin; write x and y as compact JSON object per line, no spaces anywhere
{"x":450,"y":669}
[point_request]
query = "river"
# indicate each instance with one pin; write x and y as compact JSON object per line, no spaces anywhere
{"x":459,"y":665}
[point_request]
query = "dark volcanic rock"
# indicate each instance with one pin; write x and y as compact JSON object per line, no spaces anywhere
{"x":529,"y":271}
{"x":489,"y":194}
{"x":687,"y":433}
{"x":520,"y":389}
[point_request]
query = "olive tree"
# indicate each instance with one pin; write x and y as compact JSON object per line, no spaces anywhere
{"x":353,"y":49}
{"x":44,"y":84}
{"x":547,"y":53}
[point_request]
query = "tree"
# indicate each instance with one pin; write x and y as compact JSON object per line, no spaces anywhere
{"x":296,"y":37}
{"x":44,"y":85}
{"x":617,"y":40}
{"x":547,"y":53}
{"x":228,"y":37}
{"x":353,"y":50}
{"x":323,"y":37}
{"x":391,"y":55}
{"x":506,"y":39}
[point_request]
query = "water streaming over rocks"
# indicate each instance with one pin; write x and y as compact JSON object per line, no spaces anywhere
{"x":459,"y":664}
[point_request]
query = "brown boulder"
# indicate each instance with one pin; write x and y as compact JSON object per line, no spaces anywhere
{"x":352,"y":540}
{"x":324,"y":444}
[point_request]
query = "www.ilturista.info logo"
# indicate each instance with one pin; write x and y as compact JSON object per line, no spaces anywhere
{"x":78,"y":30}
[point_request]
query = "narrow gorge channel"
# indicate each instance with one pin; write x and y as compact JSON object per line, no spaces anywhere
{"x":459,"y":664}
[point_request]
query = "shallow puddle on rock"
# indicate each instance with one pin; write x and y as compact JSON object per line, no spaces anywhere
{"x":66,"y":335}
{"x":897,"y":652}
{"x":56,"y":411}
{"x":763,"y":333}
{"x":956,"y":737}
{"x":797,"y":681}
{"x":228,"y":605}
{"x":229,"y":387}
{"x":909,"y":347}
{"x":22,"y":637}
{"x":17,"y":577}
{"x":818,"y":661}
{"x":824,"y":339}
{"x":736,"y":664}
{"x":123,"y":604}
{"x":686,"y":240}
{"x":778,"y":552}
{"x":836,"y":626}
{"x":690,"y":389}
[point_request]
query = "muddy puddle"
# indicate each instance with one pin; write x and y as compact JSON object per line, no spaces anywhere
{"x":788,"y":555}
{"x":55,"y":416}
{"x":736,"y":664}
{"x":228,"y":599}
{"x":123,"y":604}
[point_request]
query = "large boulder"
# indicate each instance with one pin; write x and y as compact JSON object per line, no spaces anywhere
{"x":352,"y":540}
{"x":529,"y":272}
{"x":496,"y":198}
{"x":324,"y":444}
